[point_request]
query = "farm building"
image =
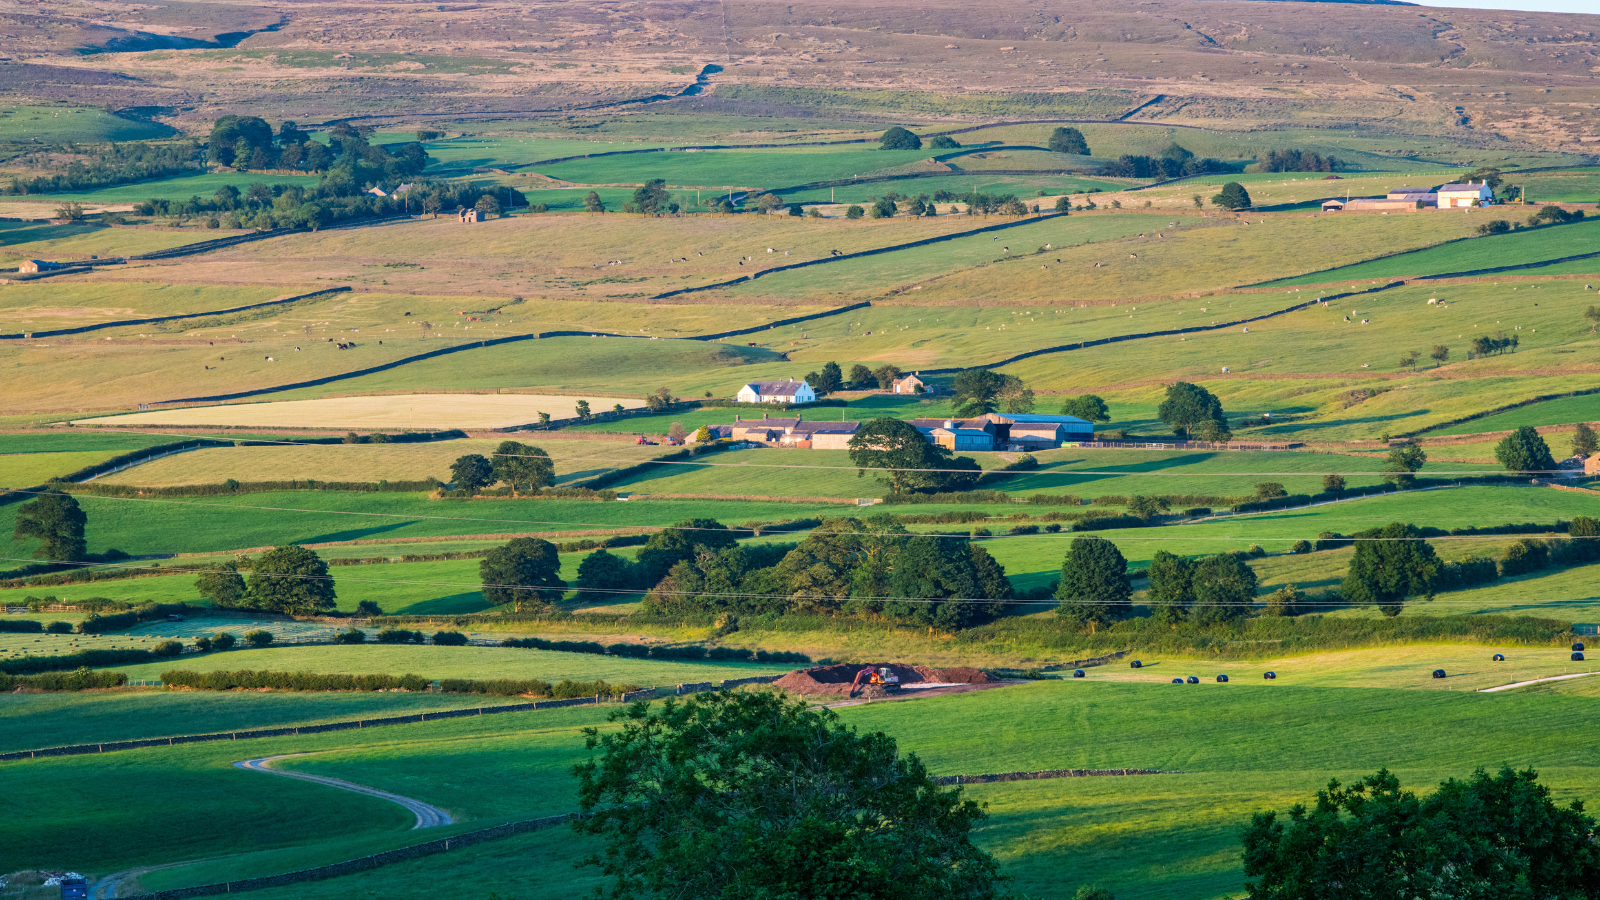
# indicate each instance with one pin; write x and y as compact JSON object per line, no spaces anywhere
{"x":957,"y":434}
{"x":468,"y":215}
{"x":776,"y":392}
{"x":909,"y":384}
{"x":824,"y":435}
{"x":1026,"y":431}
{"x":764,"y":430}
{"x":795,"y":432}
{"x":1591,"y":466}
{"x":35,"y":266}
{"x":1390,"y":203}
{"x":1461,"y":195}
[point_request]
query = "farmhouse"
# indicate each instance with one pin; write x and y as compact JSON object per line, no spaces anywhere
{"x":1462,"y":195}
{"x":909,"y":384}
{"x":35,"y":266}
{"x":776,"y":392}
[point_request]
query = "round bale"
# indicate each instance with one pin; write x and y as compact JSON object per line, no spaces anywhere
{"x":1194,"y":679}
{"x":1438,"y":673}
{"x":1269,"y":675}
{"x":1577,"y":657}
{"x":1136,"y":665}
{"x":1077,"y":673}
{"x":1177,"y":681}
{"x":1578,"y":647}
{"x":1499,"y":657}
{"x":1222,"y":679}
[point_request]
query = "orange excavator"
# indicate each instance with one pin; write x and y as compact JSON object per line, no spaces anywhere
{"x":882,"y":676}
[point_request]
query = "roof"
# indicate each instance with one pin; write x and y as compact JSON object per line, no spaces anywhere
{"x":776,"y":388}
{"x":926,"y":424}
{"x":904,"y":378}
{"x":1409,"y":190}
{"x":828,"y":427}
{"x":1031,"y":419}
{"x":767,"y":423}
{"x":1464,"y":188}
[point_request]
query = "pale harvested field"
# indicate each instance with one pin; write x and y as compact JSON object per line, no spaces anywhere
{"x":368,"y":413}
{"x":574,"y":459}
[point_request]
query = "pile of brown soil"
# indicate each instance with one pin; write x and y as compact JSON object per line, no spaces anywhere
{"x":835,"y":680}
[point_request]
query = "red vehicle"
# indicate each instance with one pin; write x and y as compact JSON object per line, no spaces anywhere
{"x":644,"y":440}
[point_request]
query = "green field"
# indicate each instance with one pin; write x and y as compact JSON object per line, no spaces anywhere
{"x":1571,"y":186}
{"x":29,"y":469}
{"x":1175,"y":833}
{"x":72,"y":124}
{"x":1023,"y":186}
{"x":1561,"y":411}
{"x":37,"y":240}
{"x":176,"y":188}
{"x":1514,"y":249}
{"x":735,"y":168}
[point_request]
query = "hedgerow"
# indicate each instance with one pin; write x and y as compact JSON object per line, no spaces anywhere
{"x":77,"y":680}
{"x":291,"y":681}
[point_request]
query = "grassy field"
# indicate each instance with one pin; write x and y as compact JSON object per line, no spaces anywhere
{"x":1572,"y":186}
{"x":1513,"y":249}
{"x":38,"y":240}
{"x":28,"y":469}
{"x":735,"y":168}
{"x":1549,"y":412}
{"x":460,"y":662}
{"x":1174,"y":833}
{"x":73,"y":441}
{"x":371,"y":462}
{"x":72,"y":124}
{"x":178,"y":187}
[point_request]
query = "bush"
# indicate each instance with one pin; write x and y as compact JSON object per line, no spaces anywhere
{"x":222,"y":641}
{"x":503,"y":687}
{"x":1525,"y":556}
{"x":202,"y":644}
{"x":21,"y":626}
{"x":59,"y":628}
{"x":94,"y":658}
{"x":449,"y":638}
{"x":351,"y":635}
{"x":1197,"y":511}
{"x":99,"y":624}
{"x":397,"y":636}
{"x":167,"y":648}
{"x":1301,"y":547}
{"x":368,"y":607}
{"x":258,"y":638}
{"x":82,"y":679}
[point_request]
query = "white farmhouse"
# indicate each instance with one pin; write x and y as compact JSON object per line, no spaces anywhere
{"x":776,"y":392}
{"x":1460,"y":195}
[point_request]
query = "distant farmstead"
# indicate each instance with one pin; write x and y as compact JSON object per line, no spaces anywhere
{"x":1409,"y":198}
{"x":909,"y":384}
{"x":777,"y":392}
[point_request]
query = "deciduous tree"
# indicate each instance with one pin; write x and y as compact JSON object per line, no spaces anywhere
{"x":1189,"y":406}
{"x":222,"y":585}
{"x":1224,"y":589}
{"x":1171,"y":590}
{"x":1068,"y":140}
{"x":471,"y":472}
{"x":1401,"y":462}
{"x":728,"y":795}
{"x":525,"y":570}
{"x":898,"y":138}
{"x":290,"y":579}
{"x":523,"y":467}
{"x":1583,"y":440}
{"x":1390,"y":564}
{"x":1088,"y":407}
{"x":57,"y":522}
{"x":1232,"y":196}
{"x":977,"y":392}
{"x":898,"y":447}
{"x":1523,"y":450}
{"x":1094,"y":589}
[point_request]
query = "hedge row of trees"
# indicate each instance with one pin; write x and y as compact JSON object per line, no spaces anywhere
{"x":83,"y":679}
{"x":566,"y":689}
{"x":115,"y":164}
{"x":264,"y":207}
{"x":291,"y":681}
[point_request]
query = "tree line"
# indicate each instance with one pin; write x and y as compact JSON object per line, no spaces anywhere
{"x":115,"y":164}
{"x":267,"y":206}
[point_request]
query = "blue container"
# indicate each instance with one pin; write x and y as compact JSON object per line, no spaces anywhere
{"x":74,"y":888}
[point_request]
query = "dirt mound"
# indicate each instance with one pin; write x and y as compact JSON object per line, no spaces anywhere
{"x":836,"y":679}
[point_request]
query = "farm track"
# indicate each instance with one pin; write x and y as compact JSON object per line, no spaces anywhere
{"x":428,"y":816}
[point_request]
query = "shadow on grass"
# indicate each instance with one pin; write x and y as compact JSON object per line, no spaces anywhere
{"x":453,"y":604}
{"x":354,"y":534}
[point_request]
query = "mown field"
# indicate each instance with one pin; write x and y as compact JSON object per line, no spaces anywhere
{"x":1548,"y":412}
{"x":39,"y":240}
{"x":1513,"y":249}
{"x":408,"y":411}
{"x":28,"y":469}
{"x":178,"y":187}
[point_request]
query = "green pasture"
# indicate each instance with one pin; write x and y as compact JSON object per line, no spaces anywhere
{"x":1233,"y":749}
{"x":1571,"y":186}
{"x":75,"y":124}
{"x":39,"y":240}
{"x":52,"y":720}
{"x":458,"y":662}
{"x":493,"y":150}
{"x":736,"y":168}
{"x":1024,"y":243}
{"x":180,"y":187}
{"x":571,"y":199}
{"x":1561,"y":411}
{"x":1516,"y":248}
{"x":28,"y":469}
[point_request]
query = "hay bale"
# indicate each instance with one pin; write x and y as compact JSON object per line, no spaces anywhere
{"x":1194,"y":679}
{"x":1269,"y":676}
{"x":1499,"y":657}
{"x":1438,"y":673}
{"x":1578,"y":647}
{"x":1222,"y":679}
{"x":1177,"y":681}
{"x":1577,"y":657}
{"x":1136,"y":665}
{"x":1077,"y":673}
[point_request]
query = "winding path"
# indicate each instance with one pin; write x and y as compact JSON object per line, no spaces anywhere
{"x":428,"y":816}
{"x":1507,"y":687}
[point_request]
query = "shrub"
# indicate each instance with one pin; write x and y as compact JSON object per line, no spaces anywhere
{"x":291,"y":681}
{"x":368,"y":607}
{"x":75,"y":660}
{"x":397,"y":636}
{"x":82,"y":679}
{"x":21,"y":626}
{"x":449,"y":638}
{"x":351,"y":635}
{"x":1197,"y":511}
{"x":503,"y":687}
{"x":731,"y":653}
{"x":1524,"y":556}
{"x":167,"y":648}
{"x":202,"y":644}
{"x":1301,"y":547}
{"x":59,"y":628}
{"x":258,"y":638}
{"x":222,"y":641}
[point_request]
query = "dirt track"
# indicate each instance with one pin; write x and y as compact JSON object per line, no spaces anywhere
{"x":428,"y":816}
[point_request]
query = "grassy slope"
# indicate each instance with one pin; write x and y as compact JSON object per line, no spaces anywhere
{"x":735,"y":168}
{"x":1516,"y":248}
{"x":63,"y":124}
{"x":180,"y":187}
{"x":47,"y":305}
